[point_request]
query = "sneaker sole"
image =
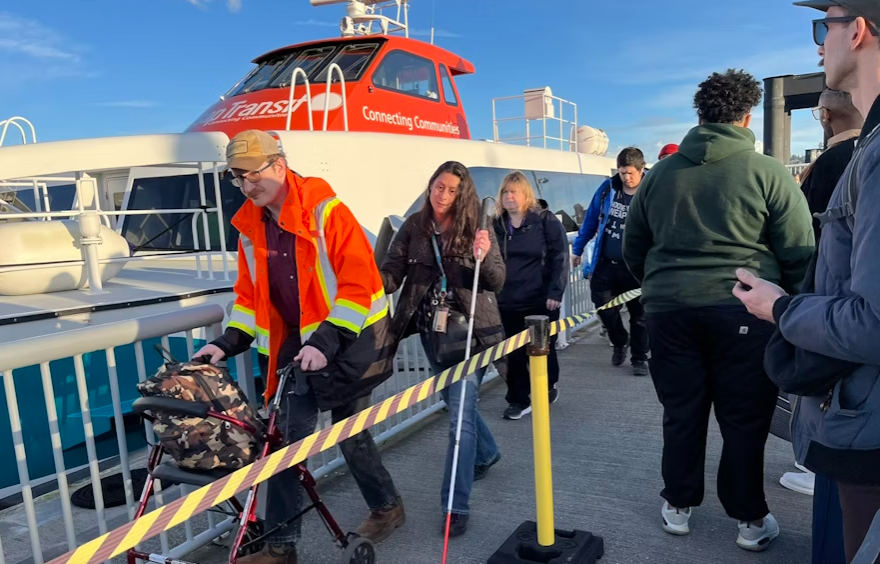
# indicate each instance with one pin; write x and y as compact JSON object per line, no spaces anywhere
{"x":794,"y":487}
{"x":677,"y":530}
{"x":526,"y":411}
{"x":758,"y":545}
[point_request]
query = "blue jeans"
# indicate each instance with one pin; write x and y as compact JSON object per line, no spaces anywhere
{"x":477,"y":446}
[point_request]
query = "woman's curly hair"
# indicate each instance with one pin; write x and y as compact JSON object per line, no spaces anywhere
{"x":728,"y":97}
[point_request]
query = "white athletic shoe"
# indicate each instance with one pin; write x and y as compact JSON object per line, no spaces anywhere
{"x":754,"y":538}
{"x":801,"y":482}
{"x":675,"y":520}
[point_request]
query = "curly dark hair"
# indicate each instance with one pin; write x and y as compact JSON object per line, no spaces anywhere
{"x":728,"y":97}
{"x":465,"y":210}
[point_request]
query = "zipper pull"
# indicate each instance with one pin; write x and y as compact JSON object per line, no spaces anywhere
{"x":827,"y":403}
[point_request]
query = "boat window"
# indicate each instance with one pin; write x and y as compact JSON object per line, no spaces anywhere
{"x":173,"y":232}
{"x":308,"y":60}
{"x":262,"y":76}
{"x":352,"y":59}
{"x":61,"y":198}
{"x":407,"y":73}
{"x":448,"y":90}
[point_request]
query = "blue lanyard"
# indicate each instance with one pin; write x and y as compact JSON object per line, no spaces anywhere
{"x":440,"y":264}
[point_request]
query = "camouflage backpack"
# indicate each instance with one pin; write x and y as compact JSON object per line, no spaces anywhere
{"x":203,"y":444}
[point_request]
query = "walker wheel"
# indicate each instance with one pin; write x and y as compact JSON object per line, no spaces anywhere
{"x":359,"y":551}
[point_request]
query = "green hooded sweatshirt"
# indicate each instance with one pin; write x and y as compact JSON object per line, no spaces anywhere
{"x":715,"y":206}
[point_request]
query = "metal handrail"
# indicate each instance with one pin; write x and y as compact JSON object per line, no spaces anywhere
{"x":330,"y":70}
{"x":298,"y":71}
{"x":14,"y":121}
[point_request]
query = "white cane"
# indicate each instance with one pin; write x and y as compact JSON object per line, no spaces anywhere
{"x":484,"y":225}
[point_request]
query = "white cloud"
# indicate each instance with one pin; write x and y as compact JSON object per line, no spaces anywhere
{"x":22,"y":37}
{"x":128,"y":104}
{"x":233,"y":5}
{"x":316,"y":23}
{"x":437,"y":33}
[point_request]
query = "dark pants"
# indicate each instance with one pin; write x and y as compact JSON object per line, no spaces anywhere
{"x":609,"y":280}
{"x":859,"y":505}
{"x":714,"y":355}
{"x":518,"y":383}
{"x":296,"y":420}
{"x":827,"y":523}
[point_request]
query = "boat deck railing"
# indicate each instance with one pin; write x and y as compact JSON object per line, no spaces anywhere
{"x":88,"y":216}
{"x":298,"y":71}
{"x":17,"y":121}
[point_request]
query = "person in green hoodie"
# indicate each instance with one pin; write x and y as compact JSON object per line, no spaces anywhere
{"x":713,"y":207}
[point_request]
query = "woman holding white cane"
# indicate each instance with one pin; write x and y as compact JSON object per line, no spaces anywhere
{"x":436,"y":253}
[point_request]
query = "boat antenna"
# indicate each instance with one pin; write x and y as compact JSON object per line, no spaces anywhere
{"x":433,"y":9}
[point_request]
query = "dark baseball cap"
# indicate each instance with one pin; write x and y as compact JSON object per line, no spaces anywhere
{"x":868,"y":9}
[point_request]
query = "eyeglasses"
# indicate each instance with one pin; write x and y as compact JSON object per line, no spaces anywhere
{"x":817,"y":113}
{"x":253,"y":177}
{"x":820,"y":27}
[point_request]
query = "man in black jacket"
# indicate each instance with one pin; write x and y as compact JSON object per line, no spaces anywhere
{"x":842,"y":123}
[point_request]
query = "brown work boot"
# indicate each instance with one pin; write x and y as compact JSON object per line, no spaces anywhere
{"x":382,"y":522}
{"x":272,"y":554}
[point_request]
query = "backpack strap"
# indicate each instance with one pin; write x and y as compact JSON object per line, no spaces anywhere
{"x":602,"y":198}
{"x":853,"y":187}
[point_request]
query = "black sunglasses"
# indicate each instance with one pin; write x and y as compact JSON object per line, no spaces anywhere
{"x":820,"y":27}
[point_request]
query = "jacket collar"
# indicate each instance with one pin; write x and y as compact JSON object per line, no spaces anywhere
{"x":845,"y":136}
{"x":872,"y":121}
{"x":295,"y":213}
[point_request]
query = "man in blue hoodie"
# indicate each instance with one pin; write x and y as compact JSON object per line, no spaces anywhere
{"x":832,"y":329}
{"x":608,"y":274}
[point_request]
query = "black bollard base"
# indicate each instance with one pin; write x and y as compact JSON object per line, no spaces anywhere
{"x":572,"y":547}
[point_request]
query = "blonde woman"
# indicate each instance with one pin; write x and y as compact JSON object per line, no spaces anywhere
{"x":535,"y":251}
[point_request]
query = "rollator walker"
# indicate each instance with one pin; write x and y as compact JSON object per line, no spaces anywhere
{"x":251,"y":537}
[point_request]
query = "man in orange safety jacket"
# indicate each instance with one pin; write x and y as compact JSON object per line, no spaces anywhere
{"x":308,"y":291}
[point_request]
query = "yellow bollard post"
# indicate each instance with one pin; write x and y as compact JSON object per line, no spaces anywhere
{"x":531,"y":542}
{"x":538,"y":349}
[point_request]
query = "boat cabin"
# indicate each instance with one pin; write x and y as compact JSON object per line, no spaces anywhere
{"x":385,"y":84}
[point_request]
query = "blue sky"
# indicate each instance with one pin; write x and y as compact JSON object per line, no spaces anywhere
{"x":100,"y":67}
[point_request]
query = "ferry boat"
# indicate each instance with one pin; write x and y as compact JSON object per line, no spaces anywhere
{"x":111,"y":234}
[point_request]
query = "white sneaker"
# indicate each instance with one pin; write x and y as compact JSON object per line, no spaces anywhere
{"x":754,"y":538}
{"x":801,"y":482}
{"x":675,"y":520}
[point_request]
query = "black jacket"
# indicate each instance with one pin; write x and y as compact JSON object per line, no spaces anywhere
{"x":410,"y":263}
{"x":536,"y":257}
{"x":822,"y":176}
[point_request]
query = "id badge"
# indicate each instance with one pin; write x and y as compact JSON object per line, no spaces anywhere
{"x":440,"y":315}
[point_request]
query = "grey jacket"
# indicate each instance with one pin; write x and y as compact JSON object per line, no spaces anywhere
{"x":838,"y":435}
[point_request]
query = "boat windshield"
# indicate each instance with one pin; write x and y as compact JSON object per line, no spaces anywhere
{"x":275,"y":72}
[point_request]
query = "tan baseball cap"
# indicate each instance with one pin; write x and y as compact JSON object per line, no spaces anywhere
{"x":248,"y":150}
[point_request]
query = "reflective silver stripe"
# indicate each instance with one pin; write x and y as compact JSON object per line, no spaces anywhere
{"x":247,"y":247}
{"x":326,"y":274}
{"x":377,"y":311}
{"x":243,"y":319}
{"x":263,"y":341}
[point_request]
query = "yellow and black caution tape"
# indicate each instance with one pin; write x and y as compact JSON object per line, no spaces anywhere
{"x":164,"y":518}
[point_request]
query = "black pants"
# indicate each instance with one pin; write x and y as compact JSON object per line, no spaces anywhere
{"x":609,"y":280}
{"x":518,"y":381}
{"x":859,"y":505}
{"x":704,"y":356}
{"x":827,"y":523}
{"x":297,"y":420}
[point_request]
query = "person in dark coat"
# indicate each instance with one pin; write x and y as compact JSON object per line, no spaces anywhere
{"x":842,"y":123}
{"x":432,"y":261}
{"x":535,"y":251}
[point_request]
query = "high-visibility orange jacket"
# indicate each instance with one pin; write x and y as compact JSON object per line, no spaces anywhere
{"x":344,"y":312}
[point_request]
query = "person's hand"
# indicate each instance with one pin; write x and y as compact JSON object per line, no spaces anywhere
{"x":481,"y":243}
{"x":311,"y":359}
{"x":213,"y":351}
{"x":757,"y":294}
{"x":575,"y":260}
{"x":553,"y":305}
